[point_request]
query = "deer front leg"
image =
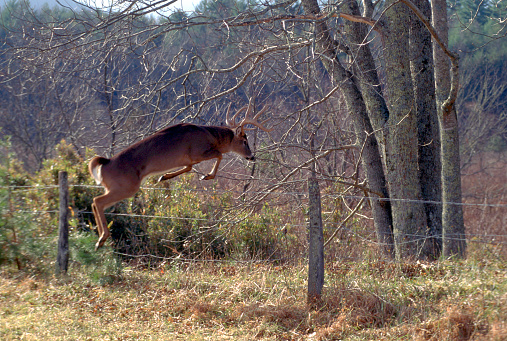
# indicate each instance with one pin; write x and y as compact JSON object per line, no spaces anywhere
{"x":214,"y":170}
{"x":171,"y":175}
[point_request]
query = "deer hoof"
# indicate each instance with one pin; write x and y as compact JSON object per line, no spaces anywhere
{"x":163,"y":178}
{"x":98,"y":245}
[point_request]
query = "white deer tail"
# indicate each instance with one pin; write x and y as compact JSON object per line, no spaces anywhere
{"x":95,"y":167}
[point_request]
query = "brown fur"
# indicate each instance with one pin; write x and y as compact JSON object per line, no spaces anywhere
{"x":176,"y":147}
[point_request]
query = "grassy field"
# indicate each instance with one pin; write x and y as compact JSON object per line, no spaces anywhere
{"x":368,"y":300}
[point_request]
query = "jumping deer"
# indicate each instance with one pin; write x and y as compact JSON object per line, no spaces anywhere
{"x":176,"y":147}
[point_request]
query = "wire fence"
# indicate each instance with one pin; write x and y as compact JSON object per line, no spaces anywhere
{"x":287,"y":193}
{"x":304,"y":195}
{"x":484,"y":238}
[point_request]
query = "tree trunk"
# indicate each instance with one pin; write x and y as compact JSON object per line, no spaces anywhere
{"x":371,"y":159}
{"x":421,"y":64}
{"x":409,"y":218}
{"x":453,"y":228}
{"x":367,"y":80}
{"x":365,"y":69}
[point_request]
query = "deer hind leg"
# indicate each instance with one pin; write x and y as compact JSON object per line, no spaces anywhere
{"x":100,"y":203}
{"x":171,"y":175}
{"x":100,"y":219}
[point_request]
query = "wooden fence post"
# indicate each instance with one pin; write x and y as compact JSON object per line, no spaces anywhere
{"x":316,"y":243}
{"x":62,"y":259}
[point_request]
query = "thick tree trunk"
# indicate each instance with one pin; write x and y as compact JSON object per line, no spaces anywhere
{"x":365,"y":74}
{"x":421,"y":63}
{"x":371,"y":160}
{"x":409,"y":218}
{"x":365,"y":69}
{"x":453,"y":228}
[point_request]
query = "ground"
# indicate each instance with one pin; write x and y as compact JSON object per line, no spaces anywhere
{"x":371,"y":300}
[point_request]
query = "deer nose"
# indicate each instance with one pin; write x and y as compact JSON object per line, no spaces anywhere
{"x":250,"y":158}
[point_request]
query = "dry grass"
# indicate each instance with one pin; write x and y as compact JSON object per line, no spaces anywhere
{"x":368,"y":301}
{"x":485,"y":183}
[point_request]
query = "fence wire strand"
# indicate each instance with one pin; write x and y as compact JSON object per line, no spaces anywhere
{"x":300,"y":194}
{"x":469,"y":238}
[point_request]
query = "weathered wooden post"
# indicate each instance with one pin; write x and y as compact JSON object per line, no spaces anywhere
{"x":62,"y":260}
{"x":316,"y":243}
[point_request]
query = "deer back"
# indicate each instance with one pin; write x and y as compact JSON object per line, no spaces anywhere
{"x":176,"y":146}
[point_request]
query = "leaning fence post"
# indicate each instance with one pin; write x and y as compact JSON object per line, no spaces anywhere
{"x":62,"y":259}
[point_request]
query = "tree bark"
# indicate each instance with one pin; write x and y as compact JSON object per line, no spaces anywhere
{"x":421,"y":64}
{"x":371,"y":159}
{"x":365,"y":69}
{"x":453,"y":228}
{"x":409,"y":218}
{"x":367,"y":80}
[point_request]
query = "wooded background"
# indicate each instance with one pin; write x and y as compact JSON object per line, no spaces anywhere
{"x":366,"y":100}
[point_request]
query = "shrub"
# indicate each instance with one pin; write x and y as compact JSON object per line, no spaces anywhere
{"x":22,"y":242}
